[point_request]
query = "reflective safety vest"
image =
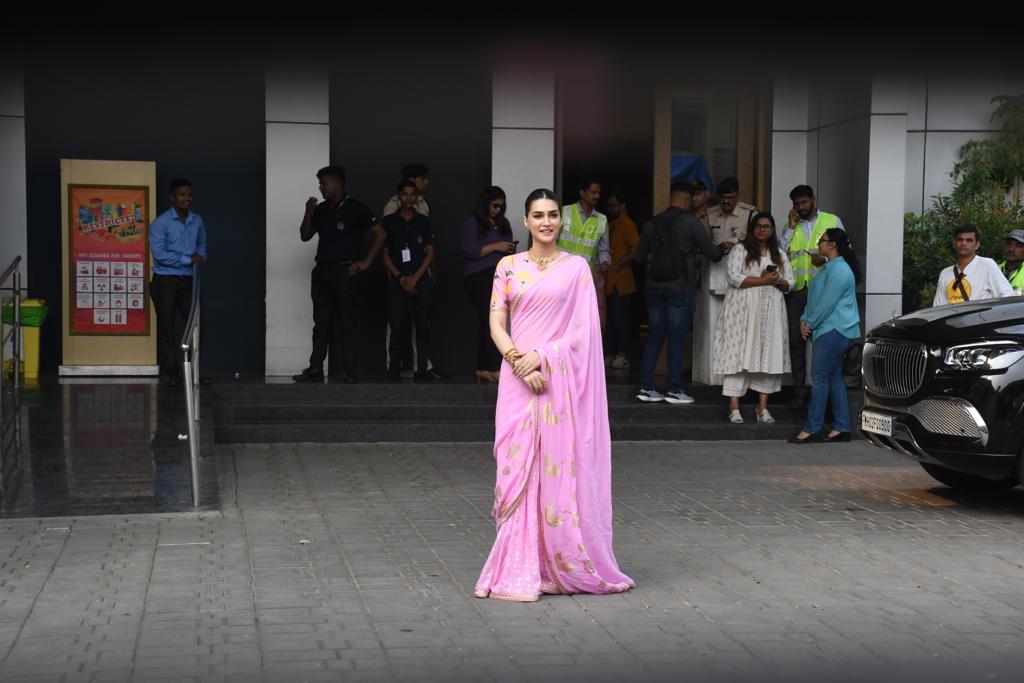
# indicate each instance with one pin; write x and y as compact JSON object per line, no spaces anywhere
{"x":1016,"y":278}
{"x":579,"y":237}
{"x":800,"y":249}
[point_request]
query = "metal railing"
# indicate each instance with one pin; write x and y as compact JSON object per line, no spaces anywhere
{"x":190,"y":380}
{"x":13,"y":273}
{"x":10,"y":417}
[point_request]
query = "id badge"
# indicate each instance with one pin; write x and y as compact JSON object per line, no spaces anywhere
{"x":406,"y":255}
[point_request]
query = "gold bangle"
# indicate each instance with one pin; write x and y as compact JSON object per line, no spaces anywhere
{"x":509,"y":355}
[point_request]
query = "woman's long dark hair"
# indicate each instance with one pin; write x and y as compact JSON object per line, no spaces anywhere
{"x":842,"y":241}
{"x":753,"y":246}
{"x":482,"y":213}
{"x":537,"y":195}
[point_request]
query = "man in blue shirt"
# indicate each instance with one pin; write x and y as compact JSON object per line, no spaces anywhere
{"x":177,"y":240}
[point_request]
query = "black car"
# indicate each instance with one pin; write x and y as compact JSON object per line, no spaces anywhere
{"x":945,"y":386}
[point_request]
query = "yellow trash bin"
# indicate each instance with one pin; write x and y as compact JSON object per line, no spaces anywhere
{"x":33,"y":313}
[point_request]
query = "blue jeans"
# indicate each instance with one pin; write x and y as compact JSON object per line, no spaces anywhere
{"x":669,"y":312}
{"x":827,"y":382}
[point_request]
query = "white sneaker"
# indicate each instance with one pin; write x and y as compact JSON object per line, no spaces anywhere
{"x":678,"y":397}
{"x":649,"y":396}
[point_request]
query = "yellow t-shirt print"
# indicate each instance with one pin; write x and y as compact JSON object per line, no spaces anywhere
{"x":953,"y":292}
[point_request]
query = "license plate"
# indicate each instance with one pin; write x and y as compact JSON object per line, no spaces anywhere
{"x":876,"y":423}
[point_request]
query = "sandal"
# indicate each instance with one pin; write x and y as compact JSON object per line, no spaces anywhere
{"x":764,"y":417}
{"x":735,"y":417}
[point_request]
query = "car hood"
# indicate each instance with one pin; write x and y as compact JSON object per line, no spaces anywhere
{"x":943,"y":325}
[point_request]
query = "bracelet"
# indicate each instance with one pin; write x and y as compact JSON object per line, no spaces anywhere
{"x":509,"y":355}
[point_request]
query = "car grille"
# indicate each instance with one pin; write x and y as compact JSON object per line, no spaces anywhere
{"x":949,"y":417}
{"x":894,"y":369}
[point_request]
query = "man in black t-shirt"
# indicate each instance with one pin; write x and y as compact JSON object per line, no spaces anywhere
{"x":407,"y":258}
{"x":340,"y":222}
{"x":669,"y":288}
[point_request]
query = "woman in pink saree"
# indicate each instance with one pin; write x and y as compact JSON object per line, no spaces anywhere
{"x":552,"y":502}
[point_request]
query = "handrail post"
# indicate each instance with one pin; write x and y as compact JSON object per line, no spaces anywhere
{"x":193,"y":431}
{"x":190,"y":380}
{"x":16,"y":339}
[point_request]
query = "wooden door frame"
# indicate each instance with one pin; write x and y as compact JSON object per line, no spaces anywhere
{"x":751,"y":135}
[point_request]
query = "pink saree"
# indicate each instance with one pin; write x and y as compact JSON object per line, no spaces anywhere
{"x":552,"y":502}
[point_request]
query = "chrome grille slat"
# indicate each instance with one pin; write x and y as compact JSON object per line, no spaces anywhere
{"x":946,"y":417}
{"x":894,"y":369}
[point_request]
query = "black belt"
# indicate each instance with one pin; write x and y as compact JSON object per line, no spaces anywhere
{"x":180,"y":277}
{"x":334,"y":265}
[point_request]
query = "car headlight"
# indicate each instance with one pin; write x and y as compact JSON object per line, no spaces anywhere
{"x":985,"y":356}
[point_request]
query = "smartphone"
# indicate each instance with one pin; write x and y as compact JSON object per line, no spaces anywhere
{"x":772,"y":268}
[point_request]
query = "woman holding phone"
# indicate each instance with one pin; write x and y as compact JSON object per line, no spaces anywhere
{"x":751,"y":335}
{"x":486,"y":238}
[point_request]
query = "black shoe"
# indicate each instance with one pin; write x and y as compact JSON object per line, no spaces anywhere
{"x":813,"y":438}
{"x":800,"y":398}
{"x":841,"y":437}
{"x":424,"y":378}
{"x":309,"y":375}
{"x":173,"y":379}
{"x":350,"y":378}
{"x":394,"y":376}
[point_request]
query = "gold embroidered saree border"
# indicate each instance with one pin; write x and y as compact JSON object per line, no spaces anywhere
{"x":543,"y":274}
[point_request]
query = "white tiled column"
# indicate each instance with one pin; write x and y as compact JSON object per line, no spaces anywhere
{"x":790,"y":148}
{"x":298,"y":145}
{"x":14,"y":226}
{"x":522,"y":138}
{"x":887,"y":165}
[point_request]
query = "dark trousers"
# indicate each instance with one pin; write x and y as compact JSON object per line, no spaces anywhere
{"x":796,"y":302}
{"x":404,"y":309}
{"x":478,"y":289}
{"x":170,"y":294}
{"x":334,"y":315}
{"x":619,"y":334}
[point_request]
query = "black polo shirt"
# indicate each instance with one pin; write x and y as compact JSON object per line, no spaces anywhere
{"x":415,"y":235}
{"x":341,"y":229}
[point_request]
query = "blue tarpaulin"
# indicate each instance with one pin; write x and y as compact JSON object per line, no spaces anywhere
{"x":689,"y":166}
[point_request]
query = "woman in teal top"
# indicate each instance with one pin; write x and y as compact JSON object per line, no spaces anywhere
{"x":831,"y":319}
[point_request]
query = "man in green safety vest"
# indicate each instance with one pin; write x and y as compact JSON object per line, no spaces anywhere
{"x":585,"y":233}
{"x":1012,"y":266}
{"x":804,"y":228}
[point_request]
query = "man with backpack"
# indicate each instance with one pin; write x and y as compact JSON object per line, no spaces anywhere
{"x":668,"y":249}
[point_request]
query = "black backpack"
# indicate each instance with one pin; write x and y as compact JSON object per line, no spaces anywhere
{"x":665,"y":257}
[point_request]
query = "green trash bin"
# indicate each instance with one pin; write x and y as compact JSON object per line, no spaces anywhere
{"x":33,"y":314}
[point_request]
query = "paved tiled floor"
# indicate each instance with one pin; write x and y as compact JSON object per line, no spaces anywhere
{"x":753,"y":560}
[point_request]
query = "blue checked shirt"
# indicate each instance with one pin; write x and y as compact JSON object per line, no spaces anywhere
{"x":172,"y":242}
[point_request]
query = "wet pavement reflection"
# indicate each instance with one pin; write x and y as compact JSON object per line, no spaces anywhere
{"x":78,"y":446}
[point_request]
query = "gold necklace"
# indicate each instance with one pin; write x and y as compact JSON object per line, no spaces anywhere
{"x":542,"y":261}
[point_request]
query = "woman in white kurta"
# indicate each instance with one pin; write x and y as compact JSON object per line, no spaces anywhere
{"x":751,"y":335}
